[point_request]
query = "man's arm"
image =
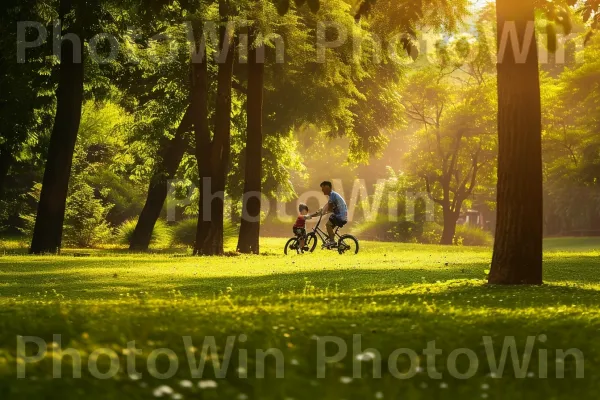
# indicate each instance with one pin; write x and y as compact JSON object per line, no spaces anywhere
{"x":325,"y":209}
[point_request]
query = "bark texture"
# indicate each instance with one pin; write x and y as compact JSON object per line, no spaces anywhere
{"x":221,"y":146}
{"x":517,"y":257}
{"x":199,"y":102}
{"x":47,"y":234}
{"x":248,"y":241}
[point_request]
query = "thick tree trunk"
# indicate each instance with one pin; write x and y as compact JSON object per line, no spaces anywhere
{"x":248,"y":241}
{"x":517,"y":257}
{"x":169,"y":157}
{"x":199,"y":101}
{"x":220,"y":149}
{"x":450,"y":218}
{"x":47,"y":234}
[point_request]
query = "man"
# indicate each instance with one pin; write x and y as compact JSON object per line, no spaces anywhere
{"x":337,"y":207}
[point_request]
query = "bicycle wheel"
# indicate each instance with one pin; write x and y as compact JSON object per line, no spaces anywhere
{"x":291,"y":246}
{"x":348,"y":244}
{"x":311,"y":241}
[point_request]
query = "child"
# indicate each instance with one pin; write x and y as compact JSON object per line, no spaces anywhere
{"x":300,"y":226}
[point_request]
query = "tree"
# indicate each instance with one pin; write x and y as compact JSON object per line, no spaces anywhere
{"x":162,"y":103}
{"x":26,"y":104}
{"x":250,"y":227}
{"x":517,"y":257}
{"x":570,"y":145}
{"x":221,"y":145}
{"x":169,"y":157}
{"x":455,"y":149}
{"x":47,"y":235}
{"x":203,"y":146}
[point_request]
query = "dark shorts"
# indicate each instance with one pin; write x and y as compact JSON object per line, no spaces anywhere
{"x":300,"y":232}
{"x":337,"y":221}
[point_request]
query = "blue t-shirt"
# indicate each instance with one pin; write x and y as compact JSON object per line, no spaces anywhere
{"x":339,"y":207}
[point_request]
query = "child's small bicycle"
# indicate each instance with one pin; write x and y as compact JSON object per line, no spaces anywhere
{"x":346,"y":244}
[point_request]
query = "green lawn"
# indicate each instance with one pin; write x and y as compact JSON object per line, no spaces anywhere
{"x":394,"y":295}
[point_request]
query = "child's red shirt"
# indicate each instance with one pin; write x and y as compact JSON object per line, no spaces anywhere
{"x":300,"y":222}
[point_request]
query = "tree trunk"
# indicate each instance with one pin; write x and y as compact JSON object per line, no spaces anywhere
{"x":517,"y":257}
{"x":199,"y":101}
{"x":450,"y":218}
{"x":220,"y":149}
{"x":169,"y":157}
{"x":47,"y":234}
{"x":248,"y":241}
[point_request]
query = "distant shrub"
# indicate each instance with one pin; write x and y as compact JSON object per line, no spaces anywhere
{"x":431,"y":233}
{"x":162,"y":235}
{"x":426,"y":232}
{"x":85,"y":218}
{"x":469,"y":235}
{"x":403,"y":231}
{"x":127,"y":197}
{"x":184,"y":233}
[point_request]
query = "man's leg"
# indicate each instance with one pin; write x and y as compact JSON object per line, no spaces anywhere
{"x":329,"y":226}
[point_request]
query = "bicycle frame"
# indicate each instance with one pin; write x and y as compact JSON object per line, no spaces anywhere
{"x":322,"y":234}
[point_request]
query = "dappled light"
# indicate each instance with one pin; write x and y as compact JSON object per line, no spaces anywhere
{"x":299,"y":199}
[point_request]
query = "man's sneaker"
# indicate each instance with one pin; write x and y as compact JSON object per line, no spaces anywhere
{"x":330,"y":244}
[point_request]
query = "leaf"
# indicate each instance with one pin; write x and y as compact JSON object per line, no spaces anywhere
{"x":299,"y":3}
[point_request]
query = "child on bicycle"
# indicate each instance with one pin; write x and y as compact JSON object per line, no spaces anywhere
{"x":300,"y":225}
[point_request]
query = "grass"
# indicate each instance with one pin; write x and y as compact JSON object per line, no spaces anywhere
{"x":393,"y":295}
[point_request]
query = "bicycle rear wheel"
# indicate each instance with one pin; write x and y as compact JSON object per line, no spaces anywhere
{"x":348,"y":244}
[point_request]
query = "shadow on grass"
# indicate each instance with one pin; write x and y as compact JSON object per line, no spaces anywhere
{"x":461,"y":286}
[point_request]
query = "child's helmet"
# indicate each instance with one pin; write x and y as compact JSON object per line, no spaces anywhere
{"x":302,"y":206}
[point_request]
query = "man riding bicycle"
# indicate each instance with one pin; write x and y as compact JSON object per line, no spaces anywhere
{"x":337,"y":207}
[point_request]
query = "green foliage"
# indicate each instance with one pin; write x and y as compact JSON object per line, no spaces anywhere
{"x":108,"y":158}
{"x":162,"y":236}
{"x":469,"y":235}
{"x":431,"y":233}
{"x":85,"y":222}
{"x":402,"y":231}
{"x":126,"y":196}
{"x":85,"y":218}
{"x":184,"y":233}
{"x":571,"y":148}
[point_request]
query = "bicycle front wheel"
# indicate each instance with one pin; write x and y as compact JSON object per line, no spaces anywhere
{"x":348,"y":244}
{"x":311,"y":241}
{"x":292,"y":246}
